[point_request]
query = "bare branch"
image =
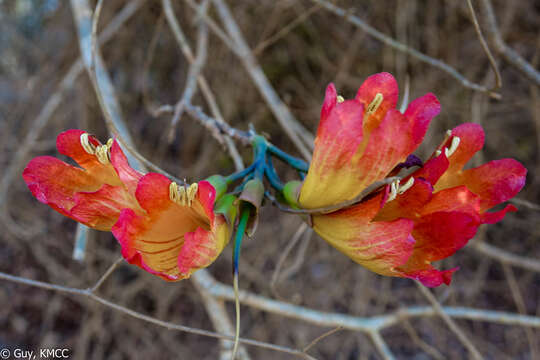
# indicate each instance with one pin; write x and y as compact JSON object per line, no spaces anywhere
{"x":451,"y":323}
{"x":507,"y":257}
{"x":508,"y":54}
{"x":404,"y":48}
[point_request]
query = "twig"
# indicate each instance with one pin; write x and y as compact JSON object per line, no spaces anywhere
{"x":171,"y":326}
{"x":506,"y":257}
{"x":205,"y":88}
{"x":404,"y":48}
{"x":48,"y":110}
{"x":508,"y":54}
{"x":493,"y":64}
{"x":526,"y":203}
{"x":107,"y":273}
{"x":381,"y":345}
{"x":193,"y":72}
{"x":451,"y":323}
{"x":320,"y":337}
{"x":279,"y":109}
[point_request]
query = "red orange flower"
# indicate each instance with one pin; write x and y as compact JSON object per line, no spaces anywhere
{"x":430,"y":214}
{"x":166,"y":229}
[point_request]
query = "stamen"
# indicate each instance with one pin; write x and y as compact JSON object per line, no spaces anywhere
{"x":102,"y":154}
{"x":109,"y":143}
{"x":340,"y":99}
{"x":192,"y":193}
{"x":393,"y":190}
{"x":406,"y":186}
{"x":182,"y":200}
{"x":453,"y":146}
{"x":87,"y":146}
{"x":374,"y":105}
{"x":173,"y":191}
{"x":438,"y":152}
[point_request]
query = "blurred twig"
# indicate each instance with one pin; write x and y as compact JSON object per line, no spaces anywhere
{"x":402,"y":47}
{"x":203,"y":83}
{"x":451,"y":323}
{"x":493,"y":64}
{"x":507,"y":257}
{"x":508,"y":54}
{"x":285,"y":118}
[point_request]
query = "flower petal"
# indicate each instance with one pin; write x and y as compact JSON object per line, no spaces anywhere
{"x":337,"y":142}
{"x":471,"y":141}
{"x":386,"y":85}
{"x":154,"y":240}
{"x":438,"y":236}
{"x":330,"y":101}
{"x":495,"y":182}
{"x":53,"y":182}
{"x":126,"y":173}
{"x":409,"y":204}
{"x":433,"y":169}
{"x":69,"y":143}
{"x":202,"y":247}
{"x":387,"y":146}
{"x":420,"y":112}
{"x":378,"y":246}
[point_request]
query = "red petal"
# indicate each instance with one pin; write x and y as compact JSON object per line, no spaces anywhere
{"x":471,"y":141}
{"x":420,"y":112}
{"x":337,"y":142}
{"x":454,"y":199}
{"x":494,"y":217}
{"x":432,"y":277}
{"x":385,"y":84}
{"x":409,"y":204}
{"x":53,"y":182}
{"x":69,"y":143}
{"x":433,"y":169}
{"x":330,"y":101}
{"x":495,"y":182}
{"x":387,"y":146}
{"x":126,"y":173}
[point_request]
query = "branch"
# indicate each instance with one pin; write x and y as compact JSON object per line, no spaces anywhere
{"x":404,"y":48}
{"x":508,"y":54}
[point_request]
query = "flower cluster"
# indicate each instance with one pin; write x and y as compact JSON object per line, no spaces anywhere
{"x":424,"y":217}
{"x":166,"y":229}
{"x":420,"y":214}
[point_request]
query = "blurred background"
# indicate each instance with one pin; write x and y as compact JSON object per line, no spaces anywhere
{"x":301,"y":46}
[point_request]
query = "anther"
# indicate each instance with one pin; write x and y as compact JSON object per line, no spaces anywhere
{"x":438,"y":152}
{"x":340,"y":99}
{"x":109,"y":143}
{"x":374,"y":105}
{"x":406,"y":186}
{"x":393,"y":190}
{"x":102,"y":154}
{"x":87,"y":146}
{"x":453,"y":146}
{"x":192,"y":193}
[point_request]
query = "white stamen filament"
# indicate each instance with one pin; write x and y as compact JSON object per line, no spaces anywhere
{"x":406,"y":186}
{"x":453,"y":146}
{"x":102,"y":154}
{"x":438,"y":152}
{"x":192,"y":193}
{"x":393,"y":190}
{"x":87,"y":146}
{"x":340,"y":99}
{"x":375,"y":103}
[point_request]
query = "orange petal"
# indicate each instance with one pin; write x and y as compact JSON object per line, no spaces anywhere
{"x":387,"y":146}
{"x":126,"y":173}
{"x":154,"y":240}
{"x":202,"y":247}
{"x":471,"y":141}
{"x":386,"y":85}
{"x":69,"y":143}
{"x":378,"y":246}
{"x":409,"y":204}
{"x":337,"y":141}
{"x":75,"y":193}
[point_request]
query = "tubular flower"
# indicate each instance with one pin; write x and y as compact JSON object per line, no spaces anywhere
{"x":425,"y":217}
{"x":166,"y":229}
